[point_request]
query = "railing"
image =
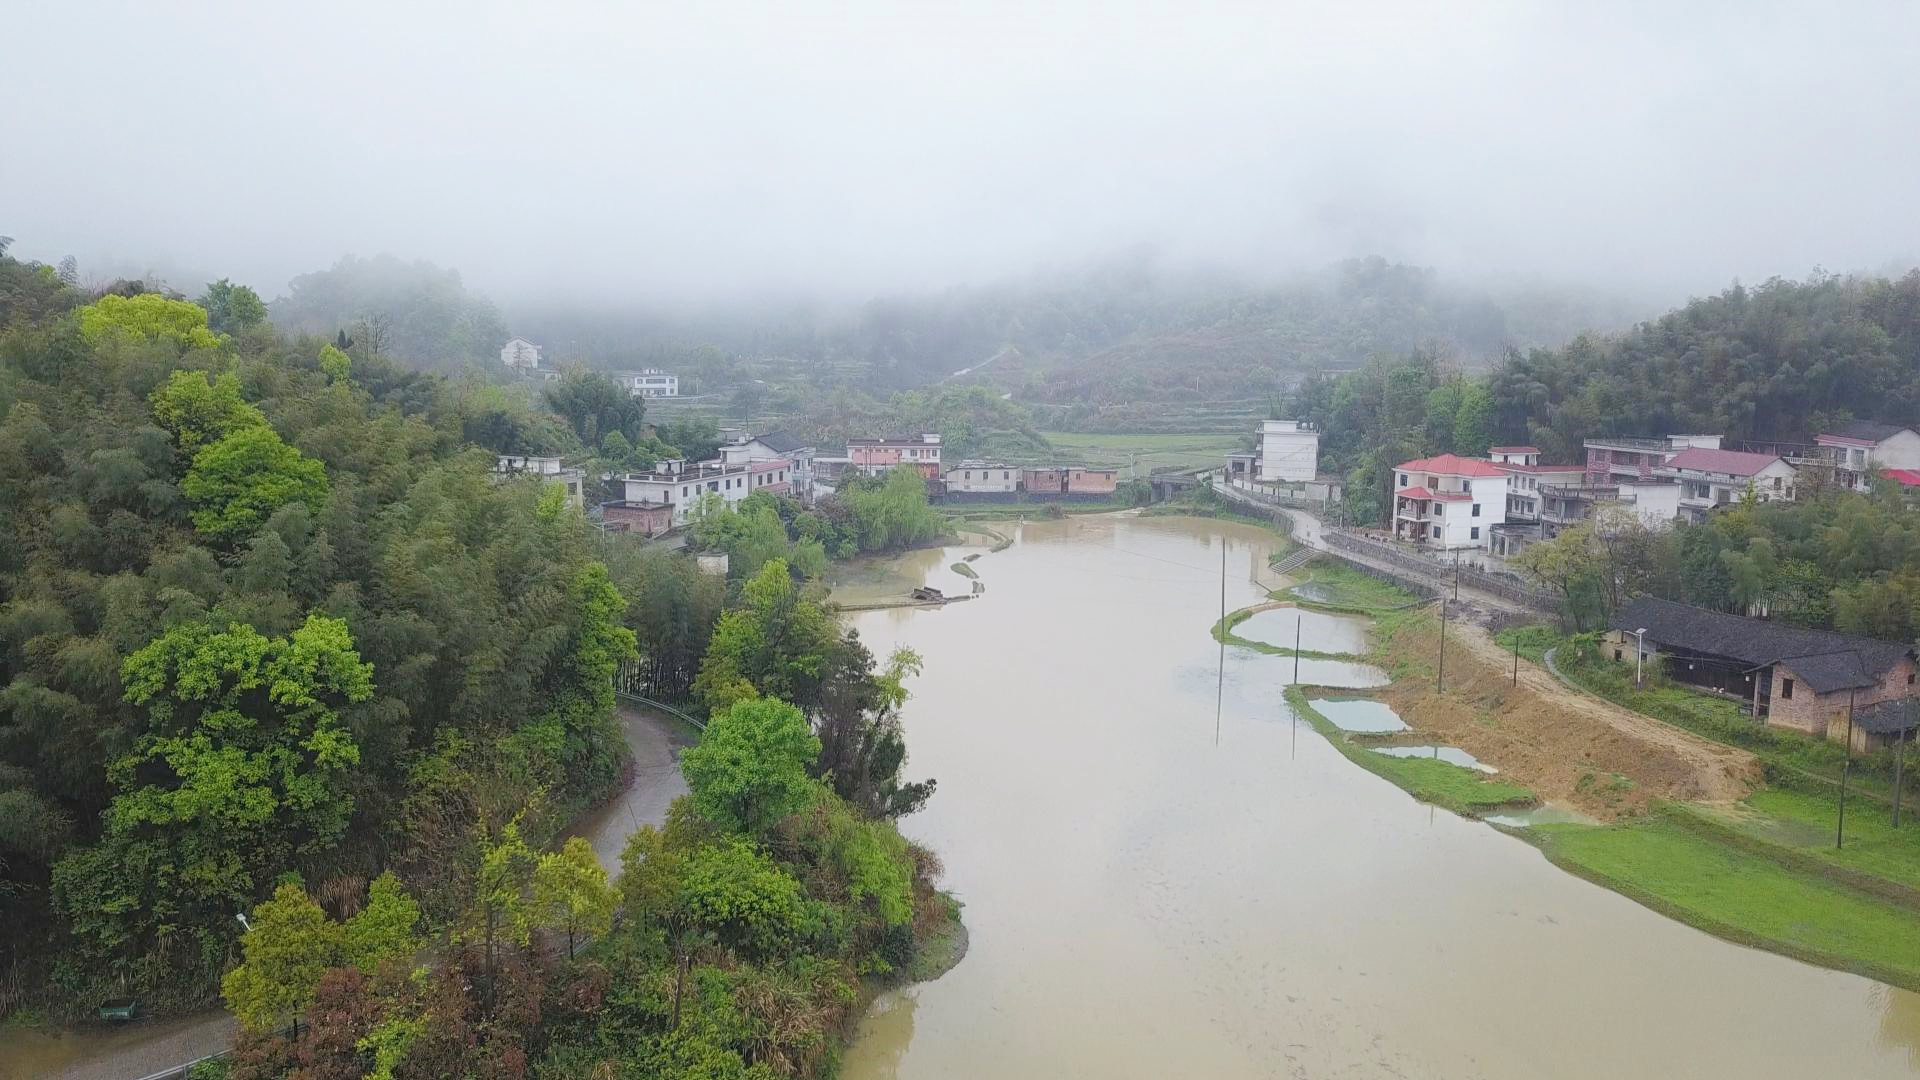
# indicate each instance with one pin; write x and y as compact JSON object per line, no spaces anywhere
{"x":1470,"y":577}
{"x":660,"y":706}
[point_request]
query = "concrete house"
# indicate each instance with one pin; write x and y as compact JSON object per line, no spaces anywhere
{"x":775,"y":446}
{"x":680,"y":485}
{"x":549,"y":468}
{"x":1710,"y":479}
{"x":874,"y":456}
{"x":1636,"y":458}
{"x":1855,"y":454}
{"x":521,"y":355}
{"x":1787,"y":677}
{"x":647,"y":519}
{"x":649,"y":383}
{"x":1289,"y":451}
{"x":1448,"y":502}
{"x":983,"y":478}
{"x":1069,"y":481}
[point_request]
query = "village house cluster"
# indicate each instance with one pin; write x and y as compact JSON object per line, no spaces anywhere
{"x":523,"y":357}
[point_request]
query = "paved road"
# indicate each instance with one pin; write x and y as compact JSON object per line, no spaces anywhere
{"x":1308,"y":530}
{"x":142,"y":1049}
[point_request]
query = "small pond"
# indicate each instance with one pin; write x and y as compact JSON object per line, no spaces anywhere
{"x":1317,"y":630}
{"x":1359,"y":714}
{"x":1549,"y":814}
{"x":1452,"y":755}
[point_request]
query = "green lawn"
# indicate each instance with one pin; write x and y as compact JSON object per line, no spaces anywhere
{"x":1151,"y":451}
{"x":1742,"y":896}
{"x":1442,"y":783}
{"x":1801,"y":824}
{"x":1332,"y":585}
{"x":1534,"y":640}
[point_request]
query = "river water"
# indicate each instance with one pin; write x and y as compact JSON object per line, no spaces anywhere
{"x":1146,"y":902}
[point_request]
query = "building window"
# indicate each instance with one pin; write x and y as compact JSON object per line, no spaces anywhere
{"x":1616,"y":655}
{"x":1476,"y":509}
{"x":1436,"y":532}
{"x":1475,"y":533}
{"x":1439,"y":509}
{"x":1786,"y":688}
{"x":1403,"y":479}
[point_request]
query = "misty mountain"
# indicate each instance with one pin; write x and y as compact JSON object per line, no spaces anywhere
{"x":412,"y":311}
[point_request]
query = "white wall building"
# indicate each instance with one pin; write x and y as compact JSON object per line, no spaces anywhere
{"x":521,"y":355}
{"x":1448,"y":502}
{"x":680,"y":485}
{"x":547,"y":468}
{"x":650,"y":383}
{"x":1860,"y":450}
{"x":1715,"y":478}
{"x":775,"y":445}
{"x":1289,"y":451}
{"x":983,"y":477}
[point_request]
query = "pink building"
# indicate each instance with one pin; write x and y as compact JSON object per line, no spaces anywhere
{"x":873,"y":456}
{"x":774,"y":477}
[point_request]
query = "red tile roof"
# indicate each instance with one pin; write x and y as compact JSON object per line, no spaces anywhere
{"x":1451,"y":465}
{"x":1906,"y":477}
{"x":1733,"y":462}
{"x":1423,"y":493}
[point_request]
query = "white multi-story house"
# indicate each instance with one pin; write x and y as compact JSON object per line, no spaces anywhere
{"x":1862,"y":450}
{"x":775,"y":446}
{"x":983,"y":477}
{"x":521,"y":355}
{"x":680,"y":485}
{"x":1715,"y":478}
{"x":1289,"y":451}
{"x":1526,"y":476}
{"x":1448,"y":502}
{"x":649,"y":383}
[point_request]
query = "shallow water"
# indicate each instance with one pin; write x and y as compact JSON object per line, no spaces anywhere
{"x":1359,"y":714}
{"x":1146,"y":902}
{"x":1452,"y":755}
{"x":1550,"y":814}
{"x":1317,"y":630}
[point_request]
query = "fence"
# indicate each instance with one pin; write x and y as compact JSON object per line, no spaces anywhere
{"x":1479,"y":580}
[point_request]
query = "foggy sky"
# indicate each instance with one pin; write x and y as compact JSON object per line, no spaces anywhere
{"x":657,"y":152}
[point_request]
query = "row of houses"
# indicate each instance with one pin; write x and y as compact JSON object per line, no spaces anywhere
{"x":1511,"y":499}
{"x":985,"y":481}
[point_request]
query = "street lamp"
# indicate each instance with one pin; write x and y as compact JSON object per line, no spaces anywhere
{"x":1639,"y":653}
{"x":247,"y":926}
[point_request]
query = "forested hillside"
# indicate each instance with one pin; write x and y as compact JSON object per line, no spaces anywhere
{"x":413,"y":311}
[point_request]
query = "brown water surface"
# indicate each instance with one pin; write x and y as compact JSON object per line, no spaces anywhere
{"x":1145,"y":903}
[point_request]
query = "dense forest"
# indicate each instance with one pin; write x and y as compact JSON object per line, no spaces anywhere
{"x":413,"y":311}
{"x":273,"y":633}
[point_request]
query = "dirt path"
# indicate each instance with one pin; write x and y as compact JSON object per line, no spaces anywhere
{"x":1569,"y":746}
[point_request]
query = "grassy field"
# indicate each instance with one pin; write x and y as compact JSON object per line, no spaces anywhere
{"x":1444,"y":784}
{"x":1148,"y":451}
{"x":1742,"y":896}
{"x":1331,"y":585}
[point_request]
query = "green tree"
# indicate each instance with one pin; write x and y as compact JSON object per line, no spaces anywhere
{"x":243,"y":763}
{"x":200,"y":408}
{"x":336,"y":364}
{"x":746,"y":901}
{"x":382,"y":930}
{"x":571,"y":891}
{"x":237,"y":482}
{"x":500,"y":892}
{"x":289,"y":944}
{"x":749,"y":768}
{"x":775,"y":643}
{"x":148,"y":316}
{"x":594,"y":405}
{"x":232,"y":307}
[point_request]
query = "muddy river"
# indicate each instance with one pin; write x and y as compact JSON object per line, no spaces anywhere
{"x":1146,"y":902}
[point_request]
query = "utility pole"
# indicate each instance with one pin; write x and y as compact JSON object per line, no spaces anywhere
{"x":1220,"y":688}
{"x":1900,"y":755}
{"x":1516,"y":656}
{"x":1293,"y":750}
{"x":1840,"y":827}
{"x":1440,"y":676}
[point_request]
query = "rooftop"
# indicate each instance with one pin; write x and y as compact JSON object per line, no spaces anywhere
{"x":1866,"y":432}
{"x":1515,"y":467}
{"x":1513,"y":450}
{"x":1903,"y":477}
{"x":1632,"y":442}
{"x":1442,"y":496}
{"x":1824,"y":660}
{"x":1452,"y":465}
{"x":1731,"y":462}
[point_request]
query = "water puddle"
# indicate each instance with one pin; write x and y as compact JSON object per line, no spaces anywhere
{"x":1317,"y":631}
{"x":1363,"y":715}
{"x":1452,"y":755}
{"x":1549,"y":814}
{"x":1317,"y":593}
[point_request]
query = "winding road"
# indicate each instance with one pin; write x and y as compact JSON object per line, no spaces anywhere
{"x":151,"y":1049}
